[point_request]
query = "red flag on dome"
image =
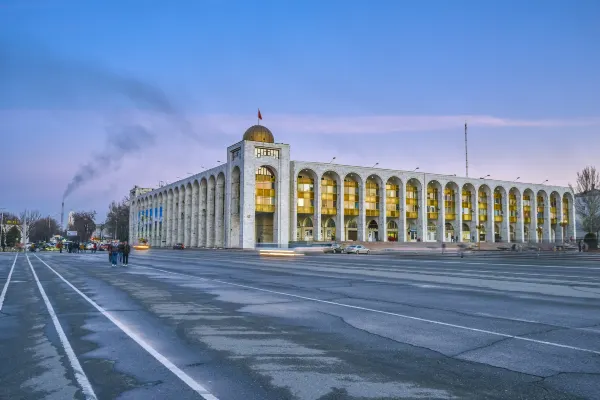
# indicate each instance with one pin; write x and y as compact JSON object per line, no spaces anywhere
{"x":259,"y":115}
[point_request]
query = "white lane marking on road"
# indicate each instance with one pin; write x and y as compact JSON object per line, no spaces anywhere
{"x":5,"y":288}
{"x":431,"y":321}
{"x":430,"y":261}
{"x":80,"y":375}
{"x":198,"y":388}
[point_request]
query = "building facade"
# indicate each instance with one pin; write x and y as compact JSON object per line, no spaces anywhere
{"x":259,"y":196}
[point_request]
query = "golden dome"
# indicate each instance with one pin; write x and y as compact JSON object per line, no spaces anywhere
{"x":259,"y":133}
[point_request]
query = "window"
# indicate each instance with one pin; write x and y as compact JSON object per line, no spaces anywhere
{"x":235,"y":154}
{"x":265,"y":152}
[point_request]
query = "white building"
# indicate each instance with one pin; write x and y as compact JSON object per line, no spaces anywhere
{"x":261,"y":196}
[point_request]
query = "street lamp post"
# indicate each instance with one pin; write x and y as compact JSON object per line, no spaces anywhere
{"x":2,"y":238}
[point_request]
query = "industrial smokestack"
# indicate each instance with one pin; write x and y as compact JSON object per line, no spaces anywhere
{"x":62,"y":216}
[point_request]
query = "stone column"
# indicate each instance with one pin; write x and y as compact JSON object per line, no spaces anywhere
{"x":294,"y":210}
{"x":219,"y":213}
{"x":571,"y":228}
{"x":475,"y":215}
{"x":505,"y":224}
{"x":144,"y":219}
{"x":174,"y":219}
{"x":167,"y":219}
{"x":317,"y":216}
{"x":154,"y":202}
{"x":194,"y":212}
{"x":382,"y":221}
{"x":210,"y":223}
{"x":401,"y":220}
{"x":422,"y":211}
{"x":362,"y":211}
{"x":340,"y":227}
{"x":441,"y":216}
{"x":490,"y":232}
{"x":533,"y":235}
{"x":520,"y":225}
{"x":546,"y":229}
{"x":187,"y":217}
{"x":458,"y":211}
{"x":131,"y":222}
{"x":202,"y":215}
{"x":180,"y":216}
{"x":559,"y":217}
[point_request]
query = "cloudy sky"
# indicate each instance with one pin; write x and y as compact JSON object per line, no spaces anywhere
{"x":99,"y":96}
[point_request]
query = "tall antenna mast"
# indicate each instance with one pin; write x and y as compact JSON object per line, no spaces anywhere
{"x":466,"y":151}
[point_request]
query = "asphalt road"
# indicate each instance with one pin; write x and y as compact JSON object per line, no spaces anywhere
{"x":231,"y":325}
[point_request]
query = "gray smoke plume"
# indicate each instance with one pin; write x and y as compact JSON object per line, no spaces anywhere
{"x":29,"y":69}
{"x":122,"y":142}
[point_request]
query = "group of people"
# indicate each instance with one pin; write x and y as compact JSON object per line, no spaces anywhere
{"x":76,"y":247}
{"x":119,"y":252}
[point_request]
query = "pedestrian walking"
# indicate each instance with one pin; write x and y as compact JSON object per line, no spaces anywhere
{"x":126,"y":251}
{"x":114,"y":251}
{"x":579,"y":245}
{"x":60,"y":246}
{"x":121,"y":249}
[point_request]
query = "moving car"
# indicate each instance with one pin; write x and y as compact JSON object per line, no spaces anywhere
{"x":178,"y":246}
{"x":357,"y":249}
{"x":142,"y":245}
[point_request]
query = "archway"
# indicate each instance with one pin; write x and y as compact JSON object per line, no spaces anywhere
{"x":529,"y":215}
{"x":452,"y":210}
{"x":352,"y":230}
{"x":392,"y":231}
{"x":305,"y":200}
{"x":411,"y":232}
{"x":450,"y":234}
{"x":543,"y":224}
{"x":393,"y":205}
{"x":329,"y":229}
{"x":266,"y":201}
{"x":305,"y":230}
{"x":435,"y":202}
{"x":413,"y":213}
{"x":330,"y":189}
{"x":431,"y":231}
{"x":500,"y":213}
{"x":466,"y":233}
{"x":373,"y":231}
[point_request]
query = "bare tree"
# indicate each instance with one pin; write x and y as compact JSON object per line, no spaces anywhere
{"x":83,"y":223}
{"x":29,"y":219}
{"x":587,"y":199}
{"x":117,"y":219}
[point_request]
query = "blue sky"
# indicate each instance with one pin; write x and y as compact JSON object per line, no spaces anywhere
{"x":379,"y":81}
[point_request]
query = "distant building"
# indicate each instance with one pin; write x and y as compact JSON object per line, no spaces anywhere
{"x":261,"y":196}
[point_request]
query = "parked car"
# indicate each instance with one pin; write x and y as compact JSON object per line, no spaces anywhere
{"x":357,"y":249}
{"x":333,"y":248}
{"x":178,"y":246}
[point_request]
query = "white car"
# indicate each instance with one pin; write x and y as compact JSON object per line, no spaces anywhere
{"x":357,"y":249}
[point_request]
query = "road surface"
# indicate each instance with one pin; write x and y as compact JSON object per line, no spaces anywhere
{"x":232,"y":325}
